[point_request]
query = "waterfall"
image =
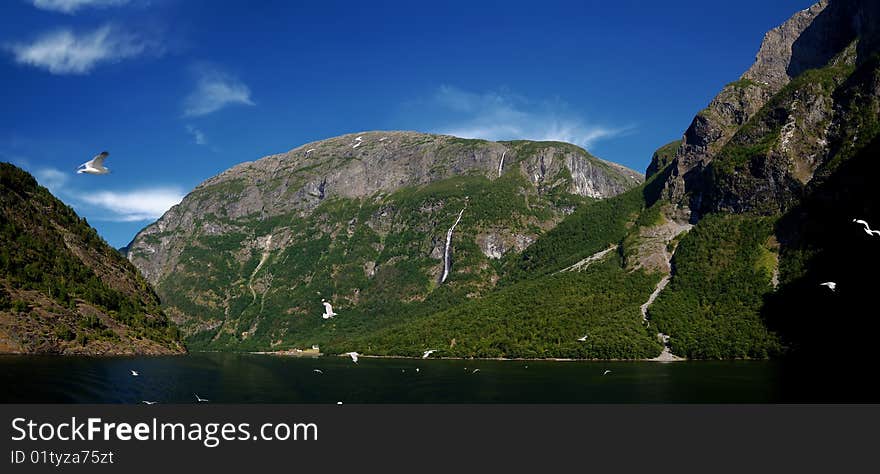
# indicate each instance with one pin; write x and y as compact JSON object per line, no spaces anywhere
{"x":446,"y":263}
{"x":501,"y":163}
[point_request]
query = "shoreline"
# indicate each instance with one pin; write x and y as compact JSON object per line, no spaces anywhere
{"x":510,"y":359}
{"x":317,"y":355}
{"x":516,"y":359}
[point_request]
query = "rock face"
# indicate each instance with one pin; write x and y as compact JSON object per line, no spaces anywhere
{"x":358,"y":218}
{"x":662,"y":157}
{"x":63,"y":290}
{"x":771,"y":175}
{"x":763,"y":138}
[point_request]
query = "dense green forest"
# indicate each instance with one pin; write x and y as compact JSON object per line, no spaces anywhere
{"x":542,"y":318}
{"x":590,"y":229}
{"x":722,"y":271}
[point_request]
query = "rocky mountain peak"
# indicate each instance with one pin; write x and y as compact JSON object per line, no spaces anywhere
{"x":775,"y":127}
{"x":784,"y":54}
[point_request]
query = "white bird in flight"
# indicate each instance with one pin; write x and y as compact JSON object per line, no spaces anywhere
{"x":475,"y":371}
{"x":606,"y":372}
{"x":95,"y":165}
{"x":318,"y":371}
{"x":200,"y":399}
{"x":427,"y":354}
{"x":582,"y":339}
{"x":134,"y":373}
{"x":359,"y":141}
{"x":353,"y":355}
{"x":328,"y":309}
{"x":868,"y":229}
{"x":830,"y":284}
{"x":147,"y":402}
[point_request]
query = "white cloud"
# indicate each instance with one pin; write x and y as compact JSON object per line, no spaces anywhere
{"x":71,"y":6}
{"x":144,"y":204}
{"x":198,"y":136}
{"x":215,"y":90}
{"x":67,"y":52}
{"x":134,"y":205}
{"x":53,"y":179}
{"x":507,"y":116}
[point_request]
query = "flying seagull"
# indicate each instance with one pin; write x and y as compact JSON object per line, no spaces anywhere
{"x":147,"y":402}
{"x":606,"y":372}
{"x":353,"y":355}
{"x":134,"y":373}
{"x":200,"y":399}
{"x":95,"y":165}
{"x":475,"y":371}
{"x":427,"y":354}
{"x":830,"y":284}
{"x":328,"y":309}
{"x":318,"y":371}
{"x":582,"y":339}
{"x":868,"y":229}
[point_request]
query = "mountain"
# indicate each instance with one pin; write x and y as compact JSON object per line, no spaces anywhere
{"x":772,"y":174}
{"x":721,"y":253}
{"x":808,"y":103}
{"x":63,"y":290}
{"x":362,"y":220}
{"x":424,"y":241}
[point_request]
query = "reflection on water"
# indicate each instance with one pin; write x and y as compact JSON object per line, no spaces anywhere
{"x":247,"y":378}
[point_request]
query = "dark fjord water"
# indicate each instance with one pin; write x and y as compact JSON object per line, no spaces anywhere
{"x":247,"y":378}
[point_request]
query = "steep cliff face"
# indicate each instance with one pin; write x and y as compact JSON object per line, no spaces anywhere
{"x":662,"y":157}
{"x":64,"y":290}
{"x":361,"y":219}
{"x":763,"y":138}
{"x":771,"y":175}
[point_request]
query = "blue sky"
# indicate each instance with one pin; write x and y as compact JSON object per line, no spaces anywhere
{"x":178,"y":91}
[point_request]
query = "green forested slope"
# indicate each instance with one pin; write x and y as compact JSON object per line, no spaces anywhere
{"x":62,"y":288}
{"x":722,"y":271}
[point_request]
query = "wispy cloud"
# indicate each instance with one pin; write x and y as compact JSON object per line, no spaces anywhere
{"x":71,"y":6}
{"x":144,"y":204}
{"x":134,"y":205}
{"x":503,"y":115}
{"x":65,"y":51}
{"x":198,"y":136}
{"x":52,"y":178}
{"x":215,"y":89}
